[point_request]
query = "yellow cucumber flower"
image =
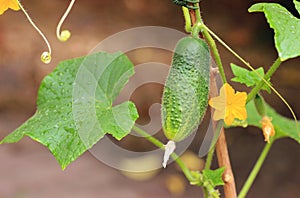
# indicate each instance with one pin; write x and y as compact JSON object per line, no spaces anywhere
{"x":229,"y":105}
{"x":5,"y":4}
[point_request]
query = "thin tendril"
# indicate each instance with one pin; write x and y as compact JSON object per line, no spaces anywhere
{"x":65,"y":34}
{"x":46,"y":56}
{"x":248,"y":65}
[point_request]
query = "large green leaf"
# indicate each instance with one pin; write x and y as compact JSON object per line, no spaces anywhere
{"x":285,"y":25}
{"x":283,"y":126}
{"x":74,"y":106}
{"x":249,"y":78}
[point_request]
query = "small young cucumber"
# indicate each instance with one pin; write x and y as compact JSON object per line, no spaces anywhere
{"x":185,"y":95}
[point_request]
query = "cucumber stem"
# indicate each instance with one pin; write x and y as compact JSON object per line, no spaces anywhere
{"x":187,"y":19}
{"x":211,"y":42}
{"x":268,"y":75}
{"x":255,"y":170}
{"x":160,"y":145}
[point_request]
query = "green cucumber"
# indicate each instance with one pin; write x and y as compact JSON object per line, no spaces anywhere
{"x":185,"y":95}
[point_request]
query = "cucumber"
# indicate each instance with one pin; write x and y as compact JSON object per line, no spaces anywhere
{"x":185,"y":95}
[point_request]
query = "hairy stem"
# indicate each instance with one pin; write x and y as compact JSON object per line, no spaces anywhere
{"x":209,"y":158}
{"x":255,"y":170}
{"x":150,"y":138}
{"x":211,"y":42}
{"x":268,"y":75}
{"x":160,"y":145}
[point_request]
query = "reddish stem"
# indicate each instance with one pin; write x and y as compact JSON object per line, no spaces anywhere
{"x":221,"y":148}
{"x":221,"y":145}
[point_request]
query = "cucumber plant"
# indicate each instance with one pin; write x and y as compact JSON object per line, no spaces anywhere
{"x":184,"y":102}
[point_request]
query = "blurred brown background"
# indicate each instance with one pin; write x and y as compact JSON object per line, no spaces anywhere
{"x":27,"y":169}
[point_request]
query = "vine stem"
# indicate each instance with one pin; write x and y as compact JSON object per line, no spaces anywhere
{"x":160,"y":145}
{"x":268,"y":75}
{"x":209,"y":158}
{"x":211,"y":42}
{"x":221,"y":145}
{"x":197,"y":21}
{"x":255,"y":170}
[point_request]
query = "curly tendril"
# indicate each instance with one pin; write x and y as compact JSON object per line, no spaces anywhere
{"x":46,"y":56}
{"x":64,"y":35}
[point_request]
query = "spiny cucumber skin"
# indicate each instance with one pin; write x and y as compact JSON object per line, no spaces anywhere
{"x":185,"y":96}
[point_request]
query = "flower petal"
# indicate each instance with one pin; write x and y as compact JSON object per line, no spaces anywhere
{"x":239,"y":112}
{"x":229,"y":105}
{"x":14,"y":5}
{"x":5,"y":4}
{"x":229,"y":92}
{"x":218,"y":115}
{"x":229,"y":119}
{"x":240,"y":98}
{"x":218,"y":102}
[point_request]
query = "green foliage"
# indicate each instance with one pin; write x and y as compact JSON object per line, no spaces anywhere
{"x":214,"y":176}
{"x":284,"y":127}
{"x":74,"y":106}
{"x":285,"y":25}
{"x":209,"y":180}
{"x":247,"y":77}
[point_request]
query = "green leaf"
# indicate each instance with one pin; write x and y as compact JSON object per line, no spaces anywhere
{"x":247,"y":77}
{"x":214,"y":176}
{"x":286,"y":28}
{"x":74,"y":106}
{"x":283,"y":126}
